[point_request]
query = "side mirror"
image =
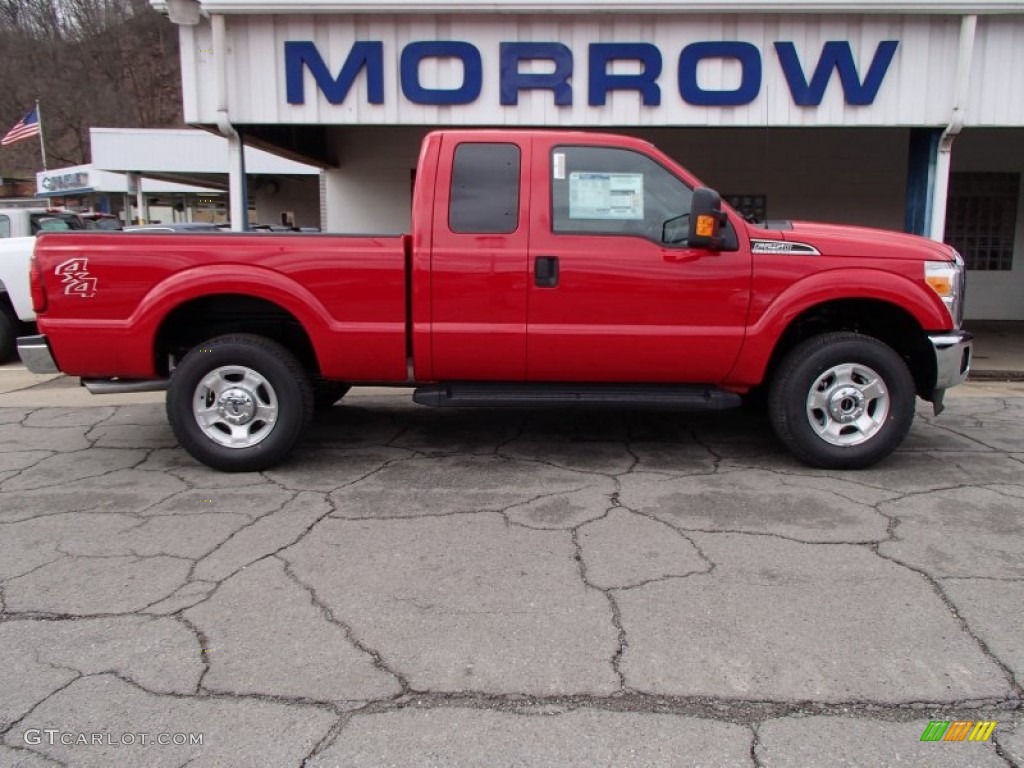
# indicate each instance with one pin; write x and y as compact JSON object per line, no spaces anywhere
{"x":706,"y":220}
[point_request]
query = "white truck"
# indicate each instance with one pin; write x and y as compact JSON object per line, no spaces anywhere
{"x":18,"y":230}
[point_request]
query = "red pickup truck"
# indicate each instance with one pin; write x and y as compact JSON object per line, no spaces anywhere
{"x":544,"y":268}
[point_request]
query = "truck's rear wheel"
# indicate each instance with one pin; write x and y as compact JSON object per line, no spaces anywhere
{"x":239,"y":402}
{"x":842,"y":401}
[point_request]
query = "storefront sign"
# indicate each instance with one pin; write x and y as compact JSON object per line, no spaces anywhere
{"x":61,"y":182}
{"x":367,"y":58}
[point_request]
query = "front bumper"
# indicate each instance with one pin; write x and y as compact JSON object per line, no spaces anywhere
{"x":953,"y":352}
{"x":35,"y":353}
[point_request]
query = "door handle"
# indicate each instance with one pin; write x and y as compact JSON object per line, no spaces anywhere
{"x":545,"y":273}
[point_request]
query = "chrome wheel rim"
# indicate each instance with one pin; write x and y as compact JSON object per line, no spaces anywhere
{"x":848,"y":404}
{"x":235,"y":406}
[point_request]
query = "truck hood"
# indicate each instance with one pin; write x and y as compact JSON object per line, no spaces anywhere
{"x":842,"y":240}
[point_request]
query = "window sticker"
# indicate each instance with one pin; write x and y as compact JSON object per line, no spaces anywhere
{"x":606,"y":196}
{"x":559,"y":165}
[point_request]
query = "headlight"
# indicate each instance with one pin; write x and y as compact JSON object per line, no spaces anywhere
{"x":947,"y":280}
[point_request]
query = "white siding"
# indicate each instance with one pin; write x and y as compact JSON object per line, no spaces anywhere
{"x":997,"y":73}
{"x":917,"y":89}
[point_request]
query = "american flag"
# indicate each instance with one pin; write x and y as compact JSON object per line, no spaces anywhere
{"x":23,"y":129}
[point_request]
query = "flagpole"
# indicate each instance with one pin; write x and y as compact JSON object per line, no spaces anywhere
{"x":42,"y":144}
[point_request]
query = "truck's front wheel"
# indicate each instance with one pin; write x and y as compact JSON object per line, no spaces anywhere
{"x":239,"y":402}
{"x":842,"y":401}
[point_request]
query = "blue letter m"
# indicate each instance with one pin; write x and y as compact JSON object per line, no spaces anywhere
{"x":835,"y":55}
{"x":303,"y":53}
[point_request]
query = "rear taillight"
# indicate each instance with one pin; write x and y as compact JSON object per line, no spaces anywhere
{"x":38,"y":289}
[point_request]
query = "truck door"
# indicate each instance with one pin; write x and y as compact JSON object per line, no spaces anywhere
{"x":479,"y":260}
{"x":615,"y":294}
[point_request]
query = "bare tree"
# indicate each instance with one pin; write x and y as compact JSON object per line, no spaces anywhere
{"x":91,"y":63}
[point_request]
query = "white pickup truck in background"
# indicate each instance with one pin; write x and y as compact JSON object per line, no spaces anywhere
{"x":18,"y":228}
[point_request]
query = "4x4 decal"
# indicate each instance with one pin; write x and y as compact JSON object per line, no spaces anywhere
{"x":74,"y":273}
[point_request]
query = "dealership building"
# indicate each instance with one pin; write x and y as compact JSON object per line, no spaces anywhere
{"x":899,"y":114}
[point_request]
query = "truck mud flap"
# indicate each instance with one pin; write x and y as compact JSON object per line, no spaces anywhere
{"x":514,"y":395}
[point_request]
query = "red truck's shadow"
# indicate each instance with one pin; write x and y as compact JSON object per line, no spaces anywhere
{"x":738,"y":433}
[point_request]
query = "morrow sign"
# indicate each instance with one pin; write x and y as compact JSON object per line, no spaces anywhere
{"x":367,"y":57}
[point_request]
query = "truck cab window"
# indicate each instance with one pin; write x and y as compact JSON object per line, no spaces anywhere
{"x":606,"y":191}
{"x":5,"y":226}
{"x":485,"y":189}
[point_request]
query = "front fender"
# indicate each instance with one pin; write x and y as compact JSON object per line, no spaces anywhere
{"x":912,"y":296}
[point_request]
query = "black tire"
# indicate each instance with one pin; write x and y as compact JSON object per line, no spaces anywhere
{"x":852,"y":429}
{"x":8,"y":335}
{"x":275,"y":378}
{"x":327,"y":393}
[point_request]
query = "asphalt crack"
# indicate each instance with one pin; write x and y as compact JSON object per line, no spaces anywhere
{"x":965,"y":627}
{"x":613,"y":606}
{"x":328,"y":615}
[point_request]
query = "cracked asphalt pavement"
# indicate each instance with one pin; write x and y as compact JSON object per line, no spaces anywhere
{"x":508,"y":588}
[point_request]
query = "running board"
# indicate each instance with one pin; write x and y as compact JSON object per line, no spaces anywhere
{"x":124,"y":386}
{"x":688,"y":397}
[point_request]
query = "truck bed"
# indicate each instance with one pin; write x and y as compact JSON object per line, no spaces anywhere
{"x":111,"y":294}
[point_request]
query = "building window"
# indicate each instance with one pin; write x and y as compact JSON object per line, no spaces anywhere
{"x":485,"y":189}
{"x":750,"y":207}
{"x":981,"y":218}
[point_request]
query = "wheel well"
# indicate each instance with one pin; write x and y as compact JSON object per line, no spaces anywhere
{"x":886,"y":322}
{"x":200,"y":319}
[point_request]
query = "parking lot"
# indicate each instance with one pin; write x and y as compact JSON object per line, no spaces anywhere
{"x":419,"y":587}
